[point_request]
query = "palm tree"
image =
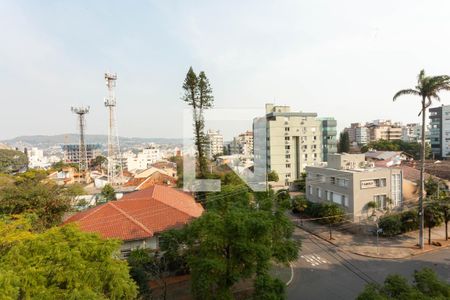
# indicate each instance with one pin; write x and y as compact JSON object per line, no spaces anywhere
{"x":427,"y":88}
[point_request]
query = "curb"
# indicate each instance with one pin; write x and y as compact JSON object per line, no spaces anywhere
{"x":368,"y":255}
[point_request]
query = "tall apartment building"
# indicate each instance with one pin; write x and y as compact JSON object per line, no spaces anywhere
{"x":72,"y":152}
{"x":413,"y":133}
{"x":294,"y":140}
{"x":245,"y":142}
{"x":358,"y":133}
{"x":350,"y":181}
{"x":440,"y":131}
{"x":214,"y":143}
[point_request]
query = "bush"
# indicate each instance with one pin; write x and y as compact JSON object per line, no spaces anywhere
{"x":391,"y":225}
{"x":409,"y":220}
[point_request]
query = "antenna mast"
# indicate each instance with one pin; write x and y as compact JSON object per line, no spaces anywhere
{"x":83,"y":162}
{"x":115,"y":171}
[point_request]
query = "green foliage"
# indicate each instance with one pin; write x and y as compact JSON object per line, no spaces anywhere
{"x":426,"y":286}
{"x":198,"y":95}
{"x":409,"y":220}
{"x":412,"y":148}
{"x":268,"y":288}
{"x":301,"y":182}
{"x":58,"y":166}
{"x":12,"y":161}
{"x":433,"y":216}
{"x":330,"y":212}
{"x":344,"y":143}
{"x":108,"y":193}
{"x":391,"y":225}
{"x":30,"y":193}
{"x":99,"y":162}
{"x":63,"y":263}
{"x":299,"y":204}
{"x":431,"y":186}
{"x":236,"y":238}
{"x":272,"y":176}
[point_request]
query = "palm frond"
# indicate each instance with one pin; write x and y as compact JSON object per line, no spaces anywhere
{"x":421,"y":77}
{"x":406,"y":92}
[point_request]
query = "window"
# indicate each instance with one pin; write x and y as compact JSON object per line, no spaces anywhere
{"x":287,"y":147}
{"x":326,"y":195}
{"x":333,"y":180}
{"x":288,"y":166}
{"x":286,"y":128}
{"x":380,"y":200}
{"x":319,"y":192}
{"x":287,"y":175}
{"x":286,"y":138}
{"x":288,"y":156}
{"x":310,"y":189}
{"x":305,"y":156}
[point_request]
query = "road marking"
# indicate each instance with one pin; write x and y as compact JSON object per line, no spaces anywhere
{"x":314,"y":260}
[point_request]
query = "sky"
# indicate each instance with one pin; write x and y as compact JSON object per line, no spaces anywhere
{"x":341,"y":59}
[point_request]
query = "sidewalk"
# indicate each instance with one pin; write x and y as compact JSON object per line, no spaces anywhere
{"x":359,"y":241}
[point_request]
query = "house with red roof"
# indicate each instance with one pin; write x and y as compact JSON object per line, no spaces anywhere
{"x":139,"y":217}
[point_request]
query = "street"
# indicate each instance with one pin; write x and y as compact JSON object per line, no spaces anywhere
{"x":324,"y":272}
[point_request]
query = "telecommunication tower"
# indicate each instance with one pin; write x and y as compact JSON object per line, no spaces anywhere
{"x":115,"y":171}
{"x":83,"y":161}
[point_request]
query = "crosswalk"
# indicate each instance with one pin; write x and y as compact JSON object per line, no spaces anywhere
{"x":314,"y":259}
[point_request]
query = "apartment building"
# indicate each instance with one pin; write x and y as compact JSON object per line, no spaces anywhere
{"x":214,"y":143}
{"x":358,"y":133}
{"x":350,"y":181}
{"x":440,"y":131}
{"x":294,"y":140}
{"x":72,"y":152}
{"x":245,"y":142}
{"x":384,"y":130}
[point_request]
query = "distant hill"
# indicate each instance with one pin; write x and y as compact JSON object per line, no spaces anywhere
{"x":45,"y":141}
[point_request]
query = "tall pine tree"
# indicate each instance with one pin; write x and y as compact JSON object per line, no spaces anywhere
{"x":198,"y":95}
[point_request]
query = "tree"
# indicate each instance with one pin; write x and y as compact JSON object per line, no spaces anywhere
{"x":332,"y":214}
{"x":391,"y":225}
{"x":198,"y":95}
{"x":99,"y":162}
{"x":445,"y":207}
{"x":30,"y":193}
{"x":272,"y":176}
{"x":301,"y":182}
{"x":426,"y":286}
{"x":372,"y":205}
{"x":108,"y":193}
{"x":62,"y":263}
{"x":427,"y":88}
{"x":12,"y":161}
{"x":431,"y":187}
{"x":433,"y":217}
{"x":236,"y":238}
{"x":344,"y":142}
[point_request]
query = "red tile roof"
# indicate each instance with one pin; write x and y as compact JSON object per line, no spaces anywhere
{"x":140,"y":214}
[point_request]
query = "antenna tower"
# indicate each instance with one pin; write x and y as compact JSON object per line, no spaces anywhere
{"x":83,"y":162}
{"x":115,"y":171}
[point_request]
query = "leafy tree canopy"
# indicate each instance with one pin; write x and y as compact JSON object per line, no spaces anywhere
{"x":12,"y":161}
{"x":108,"y":193}
{"x":412,"y":148}
{"x":272,"y":176}
{"x":426,"y":286}
{"x":60,"y":263}
{"x":236,"y":238}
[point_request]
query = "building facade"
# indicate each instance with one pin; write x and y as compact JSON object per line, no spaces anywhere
{"x":358,"y":133}
{"x":72,"y":152}
{"x":350,"y":181}
{"x":143,"y":159}
{"x":214,"y":143}
{"x":294,"y":140}
{"x":440,"y":131}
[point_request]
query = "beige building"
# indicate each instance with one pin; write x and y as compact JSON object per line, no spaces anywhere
{"x":384,"y":130}
{"x":294,"y":140}
{"x":350,"y":181}
{"x":214,"y":144}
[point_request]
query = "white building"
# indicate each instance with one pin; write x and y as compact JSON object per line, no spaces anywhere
{"x":214,"y":143}
{"x":36,"y":159}
{"x":245,"y":142}
{"x":143,"y":159}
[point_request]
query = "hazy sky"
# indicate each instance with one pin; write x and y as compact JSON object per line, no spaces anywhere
{"x":344,"y":59}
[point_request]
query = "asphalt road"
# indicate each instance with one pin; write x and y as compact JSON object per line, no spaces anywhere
{"x":324,"y":272}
